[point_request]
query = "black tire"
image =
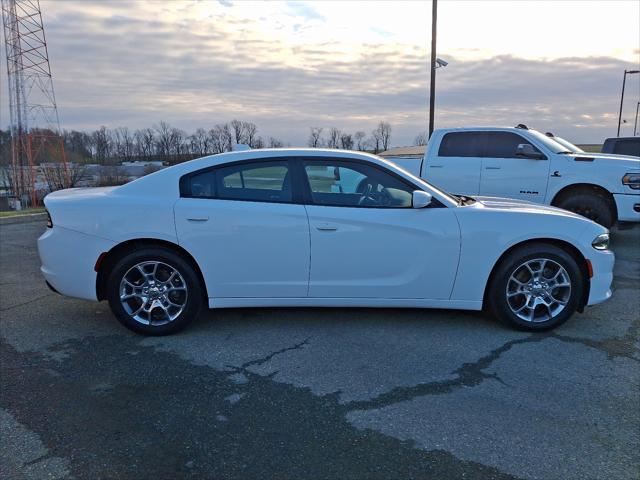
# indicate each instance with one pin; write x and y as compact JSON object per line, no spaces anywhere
{"x":591,"y":204}
{"x":499,"y":305}
{"x":191,"y":300}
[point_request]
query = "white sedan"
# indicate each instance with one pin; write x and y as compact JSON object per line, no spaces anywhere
{"x":299,"y":227}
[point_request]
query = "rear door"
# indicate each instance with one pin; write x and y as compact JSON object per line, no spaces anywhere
{"x":368,"y":242}
{"x":240,"y":223}
{"x":505,"y":175}
{"x":455,"y":167}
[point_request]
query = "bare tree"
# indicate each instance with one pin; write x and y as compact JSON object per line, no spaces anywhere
{"x":145,"y":141}
{"x":346,"y":141}
{"x":221,"y":138}
{"x":59,"y":177}
{"x":376,"y":140}
{"x":275,"y":143}
{"x":315,"y":137}
{"x":250,"y":135}
{"x":333,"y":141}
{"x":163,"y":138}
{"x":237,"y":130}
{"x":177,"y":141}
{"x":101,"y":144}
{"x":258,"y":142}
{"x":359,"y":139}
{"x":421,"y":139}
{"x":384,"y":132}
{"x":123,"y":143}
{"x":199,"y":142}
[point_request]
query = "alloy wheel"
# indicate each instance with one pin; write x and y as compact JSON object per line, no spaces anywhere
{"x":538,"y":290}
{"x":153,"y":293}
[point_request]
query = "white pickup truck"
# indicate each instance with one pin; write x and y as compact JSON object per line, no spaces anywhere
{"x":525,"y":164}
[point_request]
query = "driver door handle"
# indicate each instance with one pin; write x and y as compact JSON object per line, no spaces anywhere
{"x":325,"y":227}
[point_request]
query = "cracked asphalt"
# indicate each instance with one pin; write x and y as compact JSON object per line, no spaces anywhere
{"x":314,"y":393}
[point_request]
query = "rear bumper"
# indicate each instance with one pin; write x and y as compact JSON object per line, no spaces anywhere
{"x":602,"y":263}
{"x":628,"y":205}
{"x":68,"y":258}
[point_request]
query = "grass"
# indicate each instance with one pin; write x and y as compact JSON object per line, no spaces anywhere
{"x":592,"y":148}
{"x":26,"y":211}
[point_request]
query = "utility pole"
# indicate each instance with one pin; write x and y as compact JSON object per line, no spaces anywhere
{"x":624,"y":79}
{"x":635,"y":124}
{"x":432,"y":91}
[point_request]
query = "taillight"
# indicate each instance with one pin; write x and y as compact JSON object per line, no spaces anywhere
{"x":49,"y":222}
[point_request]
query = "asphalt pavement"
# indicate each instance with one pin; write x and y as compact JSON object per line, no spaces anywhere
{"x":314,"y":393}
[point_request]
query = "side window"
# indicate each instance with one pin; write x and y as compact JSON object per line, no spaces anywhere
{"x":350,"y":184}
{"x":263,"y":182}
{"x":461,"y":144}
{"x":199,"y":185}
{"x":504,"y":144}
{"x":260,"y":182}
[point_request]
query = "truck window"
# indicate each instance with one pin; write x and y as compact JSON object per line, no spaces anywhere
{"x":627,"y":146}
{"x":461,"y":144}
{"x":504,"y":144}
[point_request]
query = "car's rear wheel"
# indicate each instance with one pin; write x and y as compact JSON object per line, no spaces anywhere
{"x":537,"y":287}
{"x":154,"y":291}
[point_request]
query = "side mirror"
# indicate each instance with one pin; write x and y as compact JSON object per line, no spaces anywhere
{"x":526,"y":150}
{"x":420,"y":199}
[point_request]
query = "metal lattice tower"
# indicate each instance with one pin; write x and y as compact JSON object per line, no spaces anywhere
{"x":35,"y":126}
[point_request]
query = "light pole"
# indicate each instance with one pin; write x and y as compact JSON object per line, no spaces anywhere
{"x":635,"y":124}
{"x":624,"y":79}
{"x":432,"y":93}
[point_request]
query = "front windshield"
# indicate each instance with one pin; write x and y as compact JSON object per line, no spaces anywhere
{"x":568,"y":144}
{"x":550,"y":143}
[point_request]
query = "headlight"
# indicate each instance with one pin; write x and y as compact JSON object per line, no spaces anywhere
{"x":601,"y":242}
{"x":632,"y":180}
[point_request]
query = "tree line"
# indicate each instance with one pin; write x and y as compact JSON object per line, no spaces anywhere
{"x":112,"y":146}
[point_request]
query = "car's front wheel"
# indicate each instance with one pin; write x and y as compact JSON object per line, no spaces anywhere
{"x":154,"y":291}
{"x":536,"y":287}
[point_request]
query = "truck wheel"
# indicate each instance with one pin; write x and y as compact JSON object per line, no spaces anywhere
{"x":536,"y":287}
{"x":593,"y":205}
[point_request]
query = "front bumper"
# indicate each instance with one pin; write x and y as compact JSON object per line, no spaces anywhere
{"x":628,"y":205}
{"x":602,"y":264}
{"x":68,"y":258}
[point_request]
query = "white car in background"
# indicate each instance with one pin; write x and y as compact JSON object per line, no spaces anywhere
{"x":312,"y":227}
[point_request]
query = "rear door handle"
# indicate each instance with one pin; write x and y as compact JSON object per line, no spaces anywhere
{"x":492,"y":168}
{"x":435,"y":166}
{"x":326,"y":228}
{"x":197,"y":219}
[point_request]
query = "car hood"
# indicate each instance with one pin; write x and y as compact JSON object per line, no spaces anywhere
{"x":623,"y":161}
{"x":509,"y":204}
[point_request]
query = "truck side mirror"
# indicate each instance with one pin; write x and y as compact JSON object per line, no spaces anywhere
{"x":420,"y":199}
{"x":526,"y":150}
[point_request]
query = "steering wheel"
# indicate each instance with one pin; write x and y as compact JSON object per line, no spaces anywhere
{"x":374,"y":198}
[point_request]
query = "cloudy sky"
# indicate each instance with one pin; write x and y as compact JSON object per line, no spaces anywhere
{"x":290,"y":65}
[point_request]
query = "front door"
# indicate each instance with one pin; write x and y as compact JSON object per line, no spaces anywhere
{"x":242,"y":227}
{"x":368,"y":242}
{"x":505,"y":175}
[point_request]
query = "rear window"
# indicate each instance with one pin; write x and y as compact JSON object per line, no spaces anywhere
{"x":461,"y":144}
{"x":630,"y":146}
